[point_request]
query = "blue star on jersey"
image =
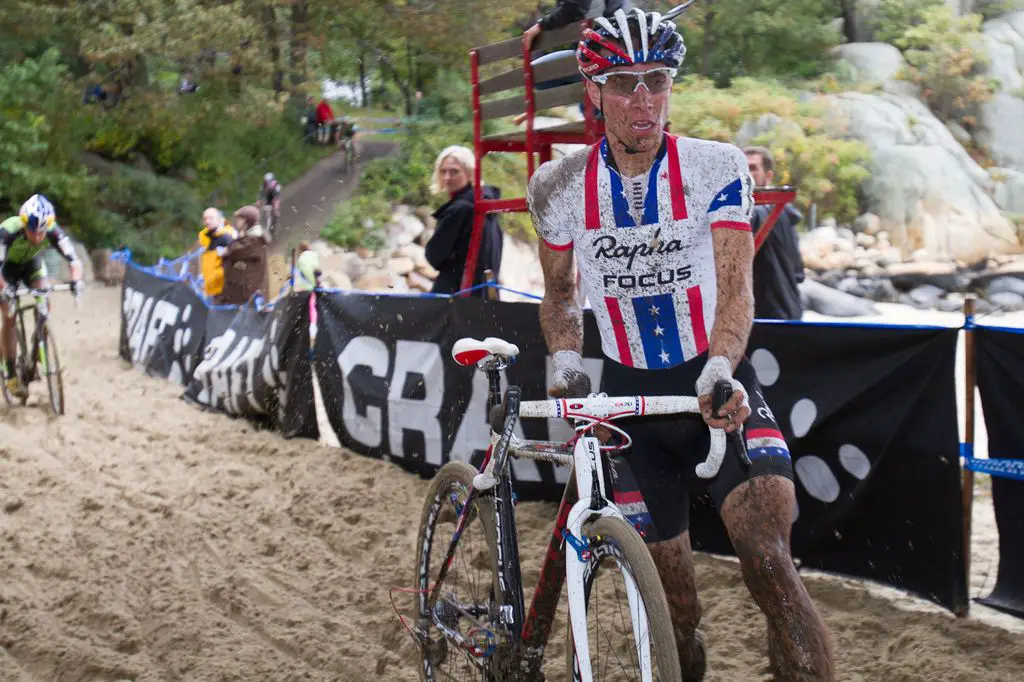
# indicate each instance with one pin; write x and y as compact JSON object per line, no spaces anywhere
{"x":731,"y":195}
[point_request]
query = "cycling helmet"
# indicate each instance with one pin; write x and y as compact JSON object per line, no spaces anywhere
{"x":268,"y":178}
{"x":37,"y":213}
{"x":614,"y":42}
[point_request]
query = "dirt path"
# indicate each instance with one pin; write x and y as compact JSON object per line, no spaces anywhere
{"x":308,"y":203}
{"x":143,"y":539}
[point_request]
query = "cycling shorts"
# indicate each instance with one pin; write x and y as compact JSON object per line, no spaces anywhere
{"x":667,"y":448}
{"x":23,"y":273}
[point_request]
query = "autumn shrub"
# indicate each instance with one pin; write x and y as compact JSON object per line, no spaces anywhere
{"x":826,"y":170}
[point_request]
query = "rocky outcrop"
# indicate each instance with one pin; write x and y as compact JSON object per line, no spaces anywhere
{"x":1001,"y":119}
{"x":926,"y":190}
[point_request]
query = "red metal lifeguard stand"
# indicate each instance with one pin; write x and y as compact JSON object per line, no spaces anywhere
{"x":532,"y":141}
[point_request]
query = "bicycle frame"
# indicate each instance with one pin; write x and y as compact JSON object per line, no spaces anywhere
{"x":532,"y":630}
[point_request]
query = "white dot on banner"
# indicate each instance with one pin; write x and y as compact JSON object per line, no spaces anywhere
{"x":802,"y":416}
{"x":854,"y":461}
{"x":187,"y":313}
{"x":186,"y":337}
{"x":766,"y":366}
{"x":817,"y":479}
{"x":177,"y":340}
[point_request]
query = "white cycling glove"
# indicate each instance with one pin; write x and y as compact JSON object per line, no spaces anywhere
{"x":569,"y":379}
{"x":717,"y":369}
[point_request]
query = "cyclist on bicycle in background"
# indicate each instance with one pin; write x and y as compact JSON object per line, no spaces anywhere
{"x":270,"y":195}
{"x":23,"y":238}
{"x":660,"y":229}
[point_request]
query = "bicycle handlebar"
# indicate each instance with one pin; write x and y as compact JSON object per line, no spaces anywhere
{"x":607,"y":407}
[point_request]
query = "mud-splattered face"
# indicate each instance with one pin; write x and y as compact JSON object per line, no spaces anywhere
{"x":636,"y":119}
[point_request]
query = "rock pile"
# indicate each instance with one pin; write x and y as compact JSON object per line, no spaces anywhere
{"x":862,"y":262}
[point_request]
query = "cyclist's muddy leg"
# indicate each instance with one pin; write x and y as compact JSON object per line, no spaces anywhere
{"x":758,"y":515}
{"x":9,"y":338}
{"x":674,"y":559}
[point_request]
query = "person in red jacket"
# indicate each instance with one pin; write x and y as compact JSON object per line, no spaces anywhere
{"x":324,"y":120}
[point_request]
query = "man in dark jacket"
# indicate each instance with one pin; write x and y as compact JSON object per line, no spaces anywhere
{"x":567,"y":12}
{"x":448,"y":249}
{"x":778,"y":266}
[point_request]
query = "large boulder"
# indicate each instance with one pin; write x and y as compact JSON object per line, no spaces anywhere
{"x":878,"y":63}
{"x":926,"y":190}
{"x":1009,"y":189}
{"x":1001,"y":119}
{"x":825,"y":300}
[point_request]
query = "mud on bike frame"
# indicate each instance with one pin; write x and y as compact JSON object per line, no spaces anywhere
{"x":530,"y":630}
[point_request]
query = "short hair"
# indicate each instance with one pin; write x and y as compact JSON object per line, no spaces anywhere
{"x":463,"y":156}
{"x":304,"y":246}
{"x":766,"y":156}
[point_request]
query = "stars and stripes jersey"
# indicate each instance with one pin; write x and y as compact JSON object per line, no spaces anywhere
{"x":647,"y":265}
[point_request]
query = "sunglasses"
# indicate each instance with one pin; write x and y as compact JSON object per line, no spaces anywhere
{"x":626,"y":83}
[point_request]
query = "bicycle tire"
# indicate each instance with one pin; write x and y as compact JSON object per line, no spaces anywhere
{"x":51,"y":365}
{"x":21,"y":364}
{"x":450,"y":477}
{"x":619,"y":539}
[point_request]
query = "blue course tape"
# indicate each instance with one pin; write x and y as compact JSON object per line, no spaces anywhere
{"x":1001,"y":468}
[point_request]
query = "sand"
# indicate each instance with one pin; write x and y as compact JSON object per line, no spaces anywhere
{"x":145,"y":539}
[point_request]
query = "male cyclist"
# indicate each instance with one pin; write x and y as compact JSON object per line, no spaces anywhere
{"x":23,"y":238}
{"x":660,"y":229}
{"x":270,"y":195}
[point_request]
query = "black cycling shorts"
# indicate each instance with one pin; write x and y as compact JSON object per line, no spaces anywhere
{"x":24,"y":273}
{"x":667,"y":448}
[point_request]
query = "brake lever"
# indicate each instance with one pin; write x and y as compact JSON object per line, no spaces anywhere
{"x":720,"y":395}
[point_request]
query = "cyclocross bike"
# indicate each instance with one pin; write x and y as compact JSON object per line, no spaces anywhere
{"x":476,"y":627}
{"x":38,"y":356}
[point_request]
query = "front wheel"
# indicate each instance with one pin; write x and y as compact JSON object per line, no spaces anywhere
{"x":49,"y":364}
{"x":457,"y":634}
{"x":629,"y":629}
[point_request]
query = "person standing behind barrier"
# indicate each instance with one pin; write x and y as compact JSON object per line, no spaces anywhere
{"x":448,"y":249}
{"x":215,"y":237}
{"x":778,"y":266}
{"x":307,"y":268}
{"x":245,"y":260}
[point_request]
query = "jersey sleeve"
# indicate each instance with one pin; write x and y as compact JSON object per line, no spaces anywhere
{"x":733,"y":206}
{"x":62,"y":242}
{"x":542,"y":199}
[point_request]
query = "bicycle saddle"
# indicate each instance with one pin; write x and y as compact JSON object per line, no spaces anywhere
{"x":469,"y":351}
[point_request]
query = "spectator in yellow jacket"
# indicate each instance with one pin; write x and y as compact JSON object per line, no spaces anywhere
{"x":215,"y":237}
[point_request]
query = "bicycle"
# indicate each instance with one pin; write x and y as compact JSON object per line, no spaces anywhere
{"x":501,"y":640}
{"x":44,"y":353}
{"x":270,"y":218}
{"x":347,"y":146}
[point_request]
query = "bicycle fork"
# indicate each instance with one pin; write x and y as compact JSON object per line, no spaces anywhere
{"x":578,"y":553}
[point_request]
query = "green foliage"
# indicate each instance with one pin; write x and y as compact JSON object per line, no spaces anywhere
{"x":893,"y":18}
{"x":944,"y":61}
{"x":826,"y":171}
{"x":733,"y":38}
{"x":990,"y":9}
{"x":357,"y":222}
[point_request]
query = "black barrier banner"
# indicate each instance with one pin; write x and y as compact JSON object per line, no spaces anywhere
{"x":163,"y":325}
{"x":999,"y":357}
{"x":869,"y":415}
{"x":256,"y":365}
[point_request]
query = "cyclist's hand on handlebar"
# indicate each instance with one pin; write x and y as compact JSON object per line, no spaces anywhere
{"x":734,"y":413}
{"x":569,"y":379}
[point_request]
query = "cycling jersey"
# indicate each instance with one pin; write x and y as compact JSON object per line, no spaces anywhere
{"x":268,"y":194}
{"x":643,"y":245}
{"x":15,"y":247}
